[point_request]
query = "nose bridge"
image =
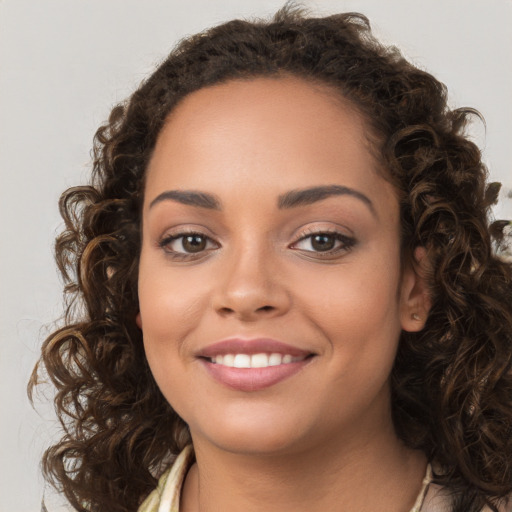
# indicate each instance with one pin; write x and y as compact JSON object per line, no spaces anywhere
{"x":250,"y":285}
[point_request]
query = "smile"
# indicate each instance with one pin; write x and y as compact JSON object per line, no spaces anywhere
{"x":252,"y":364}
{"x":261,"y":360}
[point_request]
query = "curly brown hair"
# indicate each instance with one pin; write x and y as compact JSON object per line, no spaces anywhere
{"x":451,"y":383}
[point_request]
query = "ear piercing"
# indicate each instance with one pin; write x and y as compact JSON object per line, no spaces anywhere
{"x":415,"y":316}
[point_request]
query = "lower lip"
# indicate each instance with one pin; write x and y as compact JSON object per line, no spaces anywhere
{"x":253,"y":379}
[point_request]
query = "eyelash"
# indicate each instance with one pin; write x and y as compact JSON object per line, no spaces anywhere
{"x":347,"y":243}
{"x":176,"y":255}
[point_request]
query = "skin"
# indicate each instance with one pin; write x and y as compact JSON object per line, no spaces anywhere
{"x":311,"y":441}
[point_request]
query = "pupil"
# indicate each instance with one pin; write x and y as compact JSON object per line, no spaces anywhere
{"x":322,"y":242}
{"x":194,"y":243}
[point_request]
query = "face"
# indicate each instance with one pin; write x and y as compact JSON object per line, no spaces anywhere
{"x":270,"y":284}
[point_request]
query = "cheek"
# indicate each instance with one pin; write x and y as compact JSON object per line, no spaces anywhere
{"x":356,"y":308}
{"x":170,"y":310}
{"x":364,"y":294}
{"x":171,"y":305}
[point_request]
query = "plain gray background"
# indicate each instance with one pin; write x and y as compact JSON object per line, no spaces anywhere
{"x":64,"y":63}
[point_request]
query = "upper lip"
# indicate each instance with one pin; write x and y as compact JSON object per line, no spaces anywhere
{"x":251,"y":346}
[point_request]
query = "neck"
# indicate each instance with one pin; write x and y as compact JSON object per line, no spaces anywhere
{"x":352,"y":473}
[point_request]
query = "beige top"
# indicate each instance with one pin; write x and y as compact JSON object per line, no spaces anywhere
{"x":166,"y":497}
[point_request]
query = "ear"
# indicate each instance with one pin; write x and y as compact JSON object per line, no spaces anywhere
{"x":415,"y":298}
{"x":138,"y":320}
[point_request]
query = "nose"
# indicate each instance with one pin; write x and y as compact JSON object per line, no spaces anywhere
{"x":251,"y":287}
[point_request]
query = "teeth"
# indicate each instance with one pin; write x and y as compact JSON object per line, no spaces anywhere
{"x":275,"y":359}
{"x":228,"y":360}
{"x":259,"y":360}
{"x":242,"y":361}
{"x":255,"y":361}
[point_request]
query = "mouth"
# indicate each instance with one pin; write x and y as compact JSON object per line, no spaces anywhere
{"x":252,"y":365}
{"x":261,"y":360}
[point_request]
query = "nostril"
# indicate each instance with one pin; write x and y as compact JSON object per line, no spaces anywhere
{"x":227,"y":311}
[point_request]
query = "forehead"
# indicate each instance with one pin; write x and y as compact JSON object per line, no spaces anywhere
{"x":289,"y":107}
{"x":264,"y":134}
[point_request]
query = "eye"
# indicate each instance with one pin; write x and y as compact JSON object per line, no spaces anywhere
{"x":324,"y":242}
{"x":183,"y":244}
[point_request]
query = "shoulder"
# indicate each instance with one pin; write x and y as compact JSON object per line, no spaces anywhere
{"x":503,"y":506}
{"x":438,"y":499}
{"x":167,"y":494}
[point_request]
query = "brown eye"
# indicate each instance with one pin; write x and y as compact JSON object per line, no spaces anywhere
{"x":184,"y":244}
{"x":327,"y":243}
{"x":323,"y":242}
{"x":194,"y":243}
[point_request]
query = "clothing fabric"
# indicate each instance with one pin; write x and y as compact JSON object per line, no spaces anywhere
{"x":166,"y":497}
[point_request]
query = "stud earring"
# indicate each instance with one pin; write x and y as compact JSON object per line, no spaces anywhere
{"x":415,"y":316}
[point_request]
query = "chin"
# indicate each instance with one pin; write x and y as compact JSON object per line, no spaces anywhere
{"x":252,"y":435}
{"x":256,"y":445}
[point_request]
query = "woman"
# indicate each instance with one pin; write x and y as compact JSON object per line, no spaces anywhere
{"x":282,"y":274}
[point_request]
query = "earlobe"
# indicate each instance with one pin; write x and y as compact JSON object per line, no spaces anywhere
{"x":138,"y":320}
{"x":415,"y":299}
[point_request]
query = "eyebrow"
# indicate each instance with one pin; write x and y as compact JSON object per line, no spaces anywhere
{"x":291,"y":199}
{"x":188,"y":197}
{"x":311,"y":195}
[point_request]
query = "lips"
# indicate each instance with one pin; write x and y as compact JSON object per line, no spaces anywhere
{"x":252,"y":365}
{"x":254,"y":346}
